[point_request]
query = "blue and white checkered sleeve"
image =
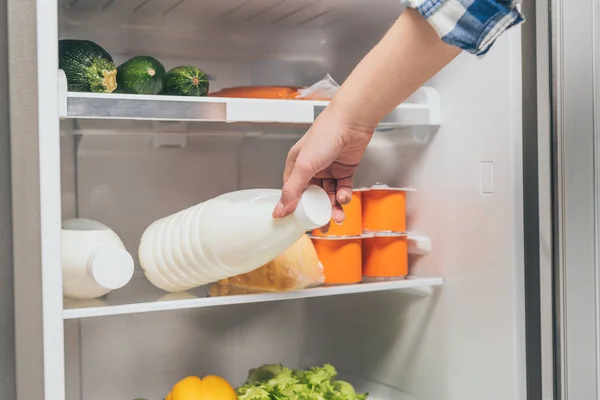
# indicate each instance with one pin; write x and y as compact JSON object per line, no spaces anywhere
{"x":472,"y":25}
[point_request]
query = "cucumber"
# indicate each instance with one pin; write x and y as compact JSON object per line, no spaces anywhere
{"x":141,"y":75}
{"x":88,"y":67}
{"x":186,"y":81}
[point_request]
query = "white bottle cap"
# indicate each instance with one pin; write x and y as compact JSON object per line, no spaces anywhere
{"x":314,"y":208}
{"x":111,"y":267}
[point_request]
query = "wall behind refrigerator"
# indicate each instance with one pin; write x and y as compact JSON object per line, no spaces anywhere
{"x":7,"y":328}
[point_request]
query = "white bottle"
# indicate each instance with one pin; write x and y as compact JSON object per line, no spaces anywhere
{"x":94,"y":259}
{"x":229,"y":235}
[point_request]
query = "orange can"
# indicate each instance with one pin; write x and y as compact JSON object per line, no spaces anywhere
{"x":352,"y":225}
{"x":341,"y":259}
{"x":385,"y":256}
{"x":384,"y":209}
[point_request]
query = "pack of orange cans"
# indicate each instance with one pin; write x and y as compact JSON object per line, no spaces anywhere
{"x":372,"y":242}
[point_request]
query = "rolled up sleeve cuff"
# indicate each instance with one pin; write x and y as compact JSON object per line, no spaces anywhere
{"x":472,"y":25}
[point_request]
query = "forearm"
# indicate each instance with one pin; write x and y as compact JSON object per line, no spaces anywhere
{"x":407,"y":56}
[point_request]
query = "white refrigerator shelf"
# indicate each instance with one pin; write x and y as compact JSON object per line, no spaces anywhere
{"x":423,"y":108}
{"x":133,"y":303}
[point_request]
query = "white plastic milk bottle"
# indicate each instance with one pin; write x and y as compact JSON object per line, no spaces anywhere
{"x":229,"y":235}
{"x":94,"y":259}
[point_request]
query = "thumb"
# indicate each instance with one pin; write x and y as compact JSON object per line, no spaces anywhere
{"x":294,"y":186}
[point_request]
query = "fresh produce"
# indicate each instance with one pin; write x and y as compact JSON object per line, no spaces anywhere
{"x":141,"y":75}
{"x":275,"y":382}
{"x":186,"y":81}
{"x":259,"y":92}
{"x":210,"y":388}
{"x":88,"y":67}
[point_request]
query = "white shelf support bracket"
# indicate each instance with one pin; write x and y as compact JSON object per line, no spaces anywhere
{"x":434,"y":102}
{"x":419,"y":245}
{"x":62,"y":94}
{"x":420,"y":292}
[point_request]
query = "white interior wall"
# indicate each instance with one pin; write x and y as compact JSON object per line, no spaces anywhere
{"x":468,"y":343}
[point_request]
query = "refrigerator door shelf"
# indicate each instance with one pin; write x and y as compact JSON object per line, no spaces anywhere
{"x":423,"y":109}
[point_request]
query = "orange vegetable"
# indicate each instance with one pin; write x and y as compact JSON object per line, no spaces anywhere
{"x":210,"y":388}
{"x":258,"y":92}
{"x":265,"y":92}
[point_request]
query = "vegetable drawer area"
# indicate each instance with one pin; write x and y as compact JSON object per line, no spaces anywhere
{"x":146,"y":355}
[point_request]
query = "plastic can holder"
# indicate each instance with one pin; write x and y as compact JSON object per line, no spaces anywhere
{"x":385,"y":256}
{"x":352,"y":225}
{"x":341,"y":259}
{"x":384,"y":209}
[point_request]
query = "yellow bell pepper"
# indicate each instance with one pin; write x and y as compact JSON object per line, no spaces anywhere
{"x":210,"y":388}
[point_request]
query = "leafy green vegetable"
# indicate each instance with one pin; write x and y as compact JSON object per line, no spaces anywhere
{"x":253,"y":393}
{"x":267,"y":372}
{"x":275,"y":382}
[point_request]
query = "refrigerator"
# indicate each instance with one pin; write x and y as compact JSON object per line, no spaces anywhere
{"x":502,"y":153}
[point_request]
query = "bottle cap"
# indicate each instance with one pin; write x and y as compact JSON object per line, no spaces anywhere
{"x":314,"y":208}
{"x":111,"y":267}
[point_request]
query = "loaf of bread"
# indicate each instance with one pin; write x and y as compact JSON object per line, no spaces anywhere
{"x":296,"y":268}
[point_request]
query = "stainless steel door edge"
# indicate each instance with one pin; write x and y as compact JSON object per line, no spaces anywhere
{"x":575,"y":136}
{"x":537,"y":205}
{"x":596,"y":103}
{"x":7,"y":336}
{"x":35,"y":174}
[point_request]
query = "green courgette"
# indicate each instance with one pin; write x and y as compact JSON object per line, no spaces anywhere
{"x":88,"y":67}
{"x":141,"y":75}
{"x":186,"y":81}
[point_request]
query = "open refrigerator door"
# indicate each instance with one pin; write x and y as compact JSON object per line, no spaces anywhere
{"x":419,"y":285}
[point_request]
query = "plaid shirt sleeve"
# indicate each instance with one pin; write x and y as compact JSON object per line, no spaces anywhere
{"x":472,"y":25}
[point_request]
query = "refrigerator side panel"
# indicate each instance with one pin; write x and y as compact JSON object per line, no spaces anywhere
{"x":545,"y":176}
{"x":575,"y":79}
{"x":7,"y":337}
{"x":35,"y":169}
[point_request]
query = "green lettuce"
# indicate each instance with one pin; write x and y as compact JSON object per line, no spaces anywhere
{"x":275,"y":382}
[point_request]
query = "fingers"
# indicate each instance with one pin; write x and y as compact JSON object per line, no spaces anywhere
{"x":329,"y":186}
{"x":290,"y":161}
{"x":337,"y":212}
{"x":299,"y":178}
{"x":316,"y":181}
{"x":344,"y":190}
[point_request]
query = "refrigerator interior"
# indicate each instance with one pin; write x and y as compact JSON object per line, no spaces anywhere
{"x":462,"y":341}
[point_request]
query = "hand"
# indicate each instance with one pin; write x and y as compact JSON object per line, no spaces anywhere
{"x":327,"y":155}
{"x":405,"y":58}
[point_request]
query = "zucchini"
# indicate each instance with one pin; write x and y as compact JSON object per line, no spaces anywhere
{"x":88,"y":67}
{"x":141,"y":75}
{"x":186,"y":81}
